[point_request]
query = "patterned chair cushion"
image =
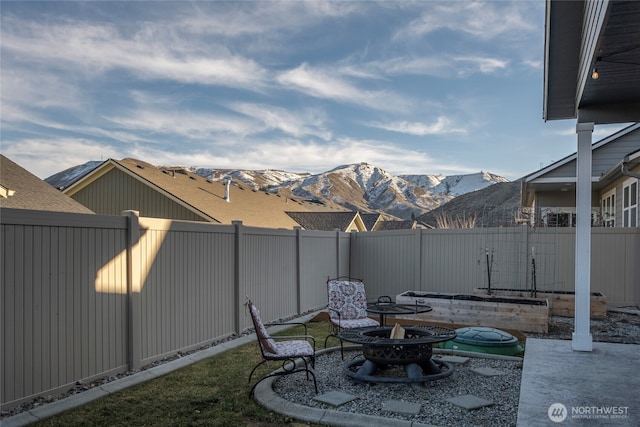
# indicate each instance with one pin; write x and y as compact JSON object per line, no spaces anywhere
{"x":348,"y":298}
{"x":298,"y":348}
{"x":267,"y":343}
{"x":356,"y":323}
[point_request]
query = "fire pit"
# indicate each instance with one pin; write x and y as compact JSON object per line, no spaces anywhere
{"x":413,"y":352}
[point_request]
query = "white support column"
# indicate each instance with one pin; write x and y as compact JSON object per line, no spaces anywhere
{"x":581,"y":339}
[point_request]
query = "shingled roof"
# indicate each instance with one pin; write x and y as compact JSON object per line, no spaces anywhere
{"x":328,"y":221}
{"x":395,"y":225}
{"x":370,"y":220}
{"x":206,"y":198}
{"x":24,"y":190}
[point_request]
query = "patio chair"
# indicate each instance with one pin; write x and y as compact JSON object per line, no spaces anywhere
{"x":347,"y":307}
{"x":287,"y":351}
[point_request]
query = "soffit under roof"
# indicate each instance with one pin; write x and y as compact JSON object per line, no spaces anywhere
{"x":615,"y":96}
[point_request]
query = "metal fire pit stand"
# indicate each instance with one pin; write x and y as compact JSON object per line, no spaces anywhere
{"x":412,"y":352}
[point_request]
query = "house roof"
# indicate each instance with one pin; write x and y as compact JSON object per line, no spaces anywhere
{"x":395,"y":225}
{"x":370,"y":219}
{"x":630,"y":161}
{"x":23,"y":190}
{"x":327,"y":221}
{"x":550,"y":179}
{"x":206,"y":198}
{"x":609,"y":43}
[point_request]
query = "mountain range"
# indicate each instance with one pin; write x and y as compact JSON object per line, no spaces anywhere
{"x":360,"y":187}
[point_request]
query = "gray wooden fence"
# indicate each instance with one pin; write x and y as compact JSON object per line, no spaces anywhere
{"x":86,"y":296}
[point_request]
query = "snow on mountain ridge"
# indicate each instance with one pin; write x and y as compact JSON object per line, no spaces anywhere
{"x":362,"y":186}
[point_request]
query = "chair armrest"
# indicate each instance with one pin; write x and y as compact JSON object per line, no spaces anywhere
{"x":288,"y":323}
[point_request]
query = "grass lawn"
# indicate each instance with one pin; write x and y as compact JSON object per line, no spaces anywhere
{"x":213,"y":392}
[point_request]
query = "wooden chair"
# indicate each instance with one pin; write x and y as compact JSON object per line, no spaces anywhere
{"x":347,"y":307}
{"x":286,"y":351}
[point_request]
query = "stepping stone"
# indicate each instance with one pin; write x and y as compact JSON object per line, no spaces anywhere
{"x":488,"y":372}
{"x":335,"y":398}
{"x":459,"y":360}
{"x":469,"y":402}
{"x":401,"y":407}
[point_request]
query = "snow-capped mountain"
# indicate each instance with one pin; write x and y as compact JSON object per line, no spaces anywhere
{"x":62,"y":180}
{"x":454,"y":185}
{"x":362,"y":187}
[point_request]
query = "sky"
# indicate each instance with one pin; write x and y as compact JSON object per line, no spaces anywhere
{"x":419,"y":87}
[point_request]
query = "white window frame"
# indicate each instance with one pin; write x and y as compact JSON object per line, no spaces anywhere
{"x":609,"y":208}
{"x":630,"y":202}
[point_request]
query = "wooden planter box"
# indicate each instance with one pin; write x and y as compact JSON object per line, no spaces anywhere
{"x":524,"y":314}
{"x":561,"y":303}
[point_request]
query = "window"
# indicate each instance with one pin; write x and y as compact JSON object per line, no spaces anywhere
{"x":630,"y":203}
{"x":609,"y":209}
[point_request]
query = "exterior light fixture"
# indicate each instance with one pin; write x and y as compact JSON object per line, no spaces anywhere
{"x":594,"y":74}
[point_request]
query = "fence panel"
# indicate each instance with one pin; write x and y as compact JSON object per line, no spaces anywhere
{"x":615,"y":264}
{"x":187,"y":293}
{"x":268,"y":273}
{"x":320,"y":254}
{"x":387,"y":261}
{"x":63,"y":301}
{"x":453,"y":260}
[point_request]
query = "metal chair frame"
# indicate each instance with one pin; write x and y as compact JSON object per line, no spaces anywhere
{"x":336,"y":321}
{"x":288,"y":359}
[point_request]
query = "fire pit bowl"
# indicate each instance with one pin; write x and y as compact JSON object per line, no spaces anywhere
{"x":413,"y":352}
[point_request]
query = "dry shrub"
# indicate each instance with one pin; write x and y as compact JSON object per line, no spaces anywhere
{"x":444,"y":220}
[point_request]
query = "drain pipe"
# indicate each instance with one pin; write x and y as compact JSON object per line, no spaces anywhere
{"x":625,"y":170}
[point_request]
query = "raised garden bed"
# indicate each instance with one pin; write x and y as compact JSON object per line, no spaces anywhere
{"x":561,"y":303}
{"x":524,"y":314}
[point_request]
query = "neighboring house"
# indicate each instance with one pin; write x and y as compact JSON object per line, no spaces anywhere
{"x":551,"y":192}
{"x":328,"y":221}
{"x":371,"y":219}
{"x":395,"y":225}
{"x":20,"y":189}
{"x":169,"y":192}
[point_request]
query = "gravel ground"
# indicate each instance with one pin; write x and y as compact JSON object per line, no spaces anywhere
{"x":620,"y":328}
{"x":502,"y":390}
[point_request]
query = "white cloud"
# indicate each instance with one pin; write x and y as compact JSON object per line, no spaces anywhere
{"x":47,"y":156}
{"x":92,"y":49}
{"x":327,"y":84}
{"x":484,"y":65}
{"x":28,"y":88}
{"x":297,"y":124}
{"x":185,"y":124}
{"x":443,"y":125}
{"x":484,"y":20}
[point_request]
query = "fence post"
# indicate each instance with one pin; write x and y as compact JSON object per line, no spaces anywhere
{"x":420,"y":268}
{"x":298,"y":272}
{"x":134,"y":330}
{"x":236,"y":275}
{"x":352,"y":246}
{"x":337,"y":253}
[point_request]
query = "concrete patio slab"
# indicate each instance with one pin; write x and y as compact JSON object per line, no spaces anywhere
{"x":469,"y":402}
{"x":335,"y":398}
{"x":401,"y":407}
{"x":560,"y":385}
{"x":488,"y":372}
{"x":458,"y":360}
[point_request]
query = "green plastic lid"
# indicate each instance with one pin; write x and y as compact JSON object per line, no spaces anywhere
{"x":488,"y":337}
